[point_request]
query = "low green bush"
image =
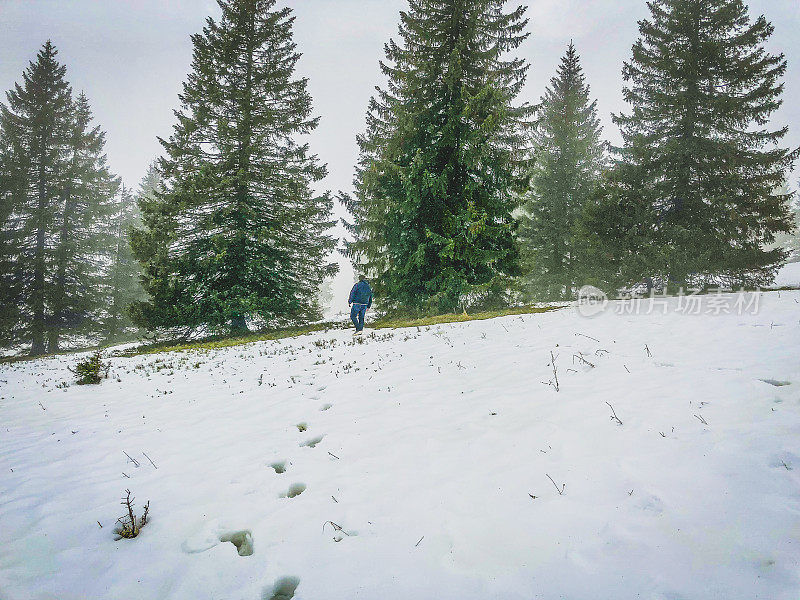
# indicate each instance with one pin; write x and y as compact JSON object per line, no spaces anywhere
{"x":91,"y":370}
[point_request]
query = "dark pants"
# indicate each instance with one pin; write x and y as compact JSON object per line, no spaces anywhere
{"x":357,"y":315}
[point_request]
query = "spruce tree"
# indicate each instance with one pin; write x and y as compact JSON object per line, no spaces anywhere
{"x":122,"y":280}
{"x":702,"y":86}
{"x":568,"y":158}
{"x":614,"y":233}
{"x":125,"y":273}
{"x":34,"y":131}
{"x":83,"y":233}
{"x":151,"y":185}
{"x":441,"y":157}
{"x":237,"y":232}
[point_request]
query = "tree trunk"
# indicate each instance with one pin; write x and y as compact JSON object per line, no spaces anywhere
{"x":37,"y":293}
{"x":114,"y":311}
{"x":54,"y":331}
{"x":239,"y":325}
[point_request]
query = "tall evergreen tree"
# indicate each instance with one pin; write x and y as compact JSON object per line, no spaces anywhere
{"x":237,"y":232}
{"x":56,"y":190}
{"x":568,"y":158}
{"x":702,"y":86}
{"x":151,"y":185}
{"x":83,"y":233}
{"x":34,"y":130}
{"x":442,"y":154}
{"x":124,"y":272}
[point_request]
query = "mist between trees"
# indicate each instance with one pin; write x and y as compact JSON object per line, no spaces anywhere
{"x":466,"y":195}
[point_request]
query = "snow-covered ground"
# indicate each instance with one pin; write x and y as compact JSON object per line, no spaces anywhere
{"x":788,"y":276}
{"x":433,"y":450}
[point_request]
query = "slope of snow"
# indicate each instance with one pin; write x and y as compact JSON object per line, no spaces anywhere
{"x":431,"y":449}
{"x":788,"y":276}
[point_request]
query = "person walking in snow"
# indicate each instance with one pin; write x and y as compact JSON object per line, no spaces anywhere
{"x":360,"y":300}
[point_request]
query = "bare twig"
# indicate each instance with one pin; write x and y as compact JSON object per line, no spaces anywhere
{"x":126,"y":475}
{"x":333,"y":455}
{"x":335,"y":526}
{"x":614,"y":416}
{"x":131,"y":459}
{"x":150,"y":459}
{"x":42,"y":405}
{"x":702,"y":420}
{"x":626,"y":368}
{"x":560,"y":490}
{"x":554,"y":382}
{"x":418,"y":541}
{"x":580,"y":357}
{"x":647,"y":350}
{"x":127,"y":501}
{"x":129,"y":527}
{"x":587,"y":336}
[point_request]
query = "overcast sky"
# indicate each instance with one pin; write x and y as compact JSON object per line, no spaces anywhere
{"x":130,"y":57}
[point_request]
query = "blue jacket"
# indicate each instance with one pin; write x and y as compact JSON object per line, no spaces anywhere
{"x":361,"y":294}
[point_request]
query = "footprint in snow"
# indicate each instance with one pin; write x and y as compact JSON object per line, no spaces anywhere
{"x":302,"y":426}
{"x":326,"y":406}
{"x":283,"y":589}
{"x":211,"y":534}
{"x":776,"y":382}
{"x":280,"y":466}
{"x":243,"y":540}
{"x":311,"y":443}
{"x":294,"y":490}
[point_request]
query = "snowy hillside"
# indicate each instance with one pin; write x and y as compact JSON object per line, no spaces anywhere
{"x":788,"y":276}
{"x":433,"y":450}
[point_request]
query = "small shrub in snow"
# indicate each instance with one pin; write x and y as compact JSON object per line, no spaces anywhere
{"x":91,"y":370}
{"x":129,"y":526}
